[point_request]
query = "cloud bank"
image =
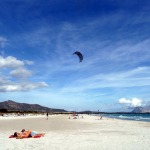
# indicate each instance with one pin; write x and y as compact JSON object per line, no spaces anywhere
{"x":134,"y":102}
{"x":15,"y":76}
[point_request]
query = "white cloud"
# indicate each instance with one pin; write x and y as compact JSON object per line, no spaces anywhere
{"x":10,"y":62}
{"x":14,"y":68}
{"x":21,"y":73}
{"x":124,"y":101}
{"x":134,"y":102}
{"x":8,"y":86}
{"x":28,"y":62}
{"x":132,"y":78}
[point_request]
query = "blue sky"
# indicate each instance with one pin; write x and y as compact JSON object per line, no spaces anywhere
{"x":38,"y":38}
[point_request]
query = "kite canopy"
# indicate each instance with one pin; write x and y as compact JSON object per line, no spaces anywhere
{"x":79,"y":55}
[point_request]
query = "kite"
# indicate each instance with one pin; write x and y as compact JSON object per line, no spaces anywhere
{"x":79,"y":55}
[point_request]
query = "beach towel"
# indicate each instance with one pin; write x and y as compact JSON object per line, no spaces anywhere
{"x":36,"y":136}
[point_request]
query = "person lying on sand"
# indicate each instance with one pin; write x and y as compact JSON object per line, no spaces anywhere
{"x":26,"y":134}
{"x":32,"y":133}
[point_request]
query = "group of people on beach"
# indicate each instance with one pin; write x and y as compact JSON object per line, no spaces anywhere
{"x":27,"y":133}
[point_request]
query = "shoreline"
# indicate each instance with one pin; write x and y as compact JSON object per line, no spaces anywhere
{"x":31,"y":115}
{"x":131,"y":117}
{"x":13,"y":118}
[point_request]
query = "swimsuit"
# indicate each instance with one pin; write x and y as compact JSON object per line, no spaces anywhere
{"x":33,"y":133}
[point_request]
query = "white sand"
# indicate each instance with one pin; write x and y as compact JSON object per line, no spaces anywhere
{"x":75,"y":134}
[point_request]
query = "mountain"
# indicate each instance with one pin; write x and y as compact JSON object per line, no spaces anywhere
{"x":141,"y":109}
{"x":14,"y":106}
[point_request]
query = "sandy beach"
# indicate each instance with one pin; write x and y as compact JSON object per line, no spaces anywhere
{"x":62,"y":133}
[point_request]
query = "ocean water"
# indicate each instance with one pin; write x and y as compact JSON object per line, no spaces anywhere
{"x":136,"y":117}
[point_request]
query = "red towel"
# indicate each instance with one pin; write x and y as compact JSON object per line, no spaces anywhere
{"x":11,"y":136}
{"x":37,"y":136}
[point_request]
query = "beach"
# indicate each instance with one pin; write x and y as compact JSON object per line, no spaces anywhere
{"x":62,"y":133}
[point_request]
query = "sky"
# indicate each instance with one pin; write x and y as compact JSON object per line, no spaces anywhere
{"x":37,"y":42}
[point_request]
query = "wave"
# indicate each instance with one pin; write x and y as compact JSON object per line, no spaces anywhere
{"x":137,"y":117}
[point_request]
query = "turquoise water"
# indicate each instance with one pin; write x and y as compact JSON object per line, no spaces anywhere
{"x":136,"y":117}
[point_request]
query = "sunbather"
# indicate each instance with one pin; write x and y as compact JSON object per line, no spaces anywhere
{"x":26,"y":134}
{"x":31,"y":133}
{"x":21,"y":135}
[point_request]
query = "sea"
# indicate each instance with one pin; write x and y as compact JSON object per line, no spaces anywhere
{"x":135,"y":117}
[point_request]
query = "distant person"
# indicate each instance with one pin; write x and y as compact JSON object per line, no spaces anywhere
{"x":47,"y":115}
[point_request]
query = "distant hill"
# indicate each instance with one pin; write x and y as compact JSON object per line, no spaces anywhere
{"x":10,"y":105}
{"x":141,"y":109}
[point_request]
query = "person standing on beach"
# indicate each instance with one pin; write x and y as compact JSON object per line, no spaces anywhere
{"x":47,"y":115}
